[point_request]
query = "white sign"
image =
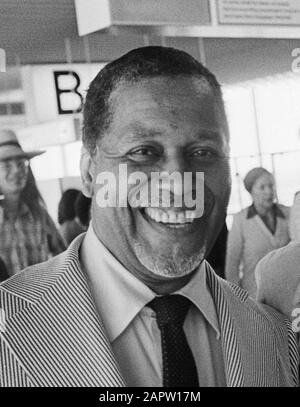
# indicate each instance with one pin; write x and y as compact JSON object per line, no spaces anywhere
{"x":52,"y":133}
{"x":259,"y":12}
{"x":55,"y":91}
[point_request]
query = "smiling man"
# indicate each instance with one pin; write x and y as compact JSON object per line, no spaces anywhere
{"x":134,"y":301}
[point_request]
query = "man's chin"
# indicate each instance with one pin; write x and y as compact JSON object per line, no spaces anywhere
{"x":171,"y":263}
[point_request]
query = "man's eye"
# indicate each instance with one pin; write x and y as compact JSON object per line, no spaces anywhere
{"x":143,"y":152}
{"x":203,"y":153}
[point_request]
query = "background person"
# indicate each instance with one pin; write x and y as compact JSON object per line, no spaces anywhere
{"x":28,"y":234}
{"x":278,"y":279}
{"x":278,"y":283}
{"x":256,"y":230}
{"x":69,"y":225}
{"x":83,"y":210}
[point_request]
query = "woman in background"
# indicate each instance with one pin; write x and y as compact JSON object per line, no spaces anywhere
{"x":256,"y":230}
{"x":70,"y":227}
{"x":28,"y":234}
{"x":83,"y":210}
{"x":278,"y":283}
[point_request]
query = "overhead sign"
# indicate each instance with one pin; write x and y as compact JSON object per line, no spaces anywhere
{"x":259,"y":12}
{"x":191,"y":18}
{"x":94,"y":15}
{"x":58,"y":132}
{"x":55,"y":91}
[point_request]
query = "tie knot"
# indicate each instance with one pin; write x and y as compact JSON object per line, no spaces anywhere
{"x":170,"y":309}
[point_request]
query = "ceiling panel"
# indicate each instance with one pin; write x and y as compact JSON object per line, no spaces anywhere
{"x":27,"y":26}
{"x":34,"y":32}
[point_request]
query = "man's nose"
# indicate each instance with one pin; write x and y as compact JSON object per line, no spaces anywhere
{"x":176,"y":162}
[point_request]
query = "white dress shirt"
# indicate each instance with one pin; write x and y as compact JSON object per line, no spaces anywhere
{"x":121,"y":299}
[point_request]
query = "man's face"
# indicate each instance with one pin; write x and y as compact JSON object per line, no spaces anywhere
{"x":163,"y":124}
{"x":13,"y":175}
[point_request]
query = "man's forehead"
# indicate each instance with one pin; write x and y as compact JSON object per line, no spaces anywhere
{"x":158,"y":85}
{"x":137,"y":130}
{"x":182,"y":96}
{"x":186,"y":97}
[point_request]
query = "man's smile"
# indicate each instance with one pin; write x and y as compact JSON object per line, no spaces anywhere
{"x":176,"y":220}
{"x":171,"y":217}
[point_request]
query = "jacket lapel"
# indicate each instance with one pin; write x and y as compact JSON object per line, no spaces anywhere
{"x":67,"y":334}
{"x":268,"y":234}
{"x":232,"y":354}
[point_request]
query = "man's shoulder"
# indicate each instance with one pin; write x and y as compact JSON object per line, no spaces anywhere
{"x":247,"y":307}
{"x":31,"y":284}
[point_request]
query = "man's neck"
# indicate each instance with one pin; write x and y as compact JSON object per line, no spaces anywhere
{"x":169,"y":287}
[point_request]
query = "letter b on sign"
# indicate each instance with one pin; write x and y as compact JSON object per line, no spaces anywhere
{"x":69,"y":99}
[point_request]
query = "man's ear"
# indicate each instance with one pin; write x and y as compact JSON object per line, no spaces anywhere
{"x":87,"y":172}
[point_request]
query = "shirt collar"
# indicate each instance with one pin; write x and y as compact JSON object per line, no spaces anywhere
{"x":121,"y":296}
{"x":253,"y":212}
{"x":198,"y":292}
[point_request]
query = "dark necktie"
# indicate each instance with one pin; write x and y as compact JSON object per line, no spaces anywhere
{"x":179,"y":368}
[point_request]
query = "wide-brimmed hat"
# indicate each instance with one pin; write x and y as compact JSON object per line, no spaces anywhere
{"x":11,"y":148}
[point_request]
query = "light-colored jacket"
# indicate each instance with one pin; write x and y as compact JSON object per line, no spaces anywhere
{"x":51,"y":334}
{"x":249,"y":240}
{"x":295,"y":219}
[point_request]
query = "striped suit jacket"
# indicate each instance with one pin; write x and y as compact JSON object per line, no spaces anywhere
{"x":52,"y":336}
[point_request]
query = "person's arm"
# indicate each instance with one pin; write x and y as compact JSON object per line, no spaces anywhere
{"x":234,"y":251}
{"x":55,"y":241}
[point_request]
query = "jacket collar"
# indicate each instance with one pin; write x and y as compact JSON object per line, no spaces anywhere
{"x":251,"y":212}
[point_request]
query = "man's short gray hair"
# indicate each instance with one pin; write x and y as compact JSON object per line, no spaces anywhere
{"x":138,"y":64}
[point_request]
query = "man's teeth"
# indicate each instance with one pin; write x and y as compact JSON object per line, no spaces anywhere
{"x":170,"y":216}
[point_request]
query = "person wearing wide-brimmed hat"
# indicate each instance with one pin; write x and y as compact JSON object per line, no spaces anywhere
{"x":28,"y":234}
{"x":256,"y":230}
